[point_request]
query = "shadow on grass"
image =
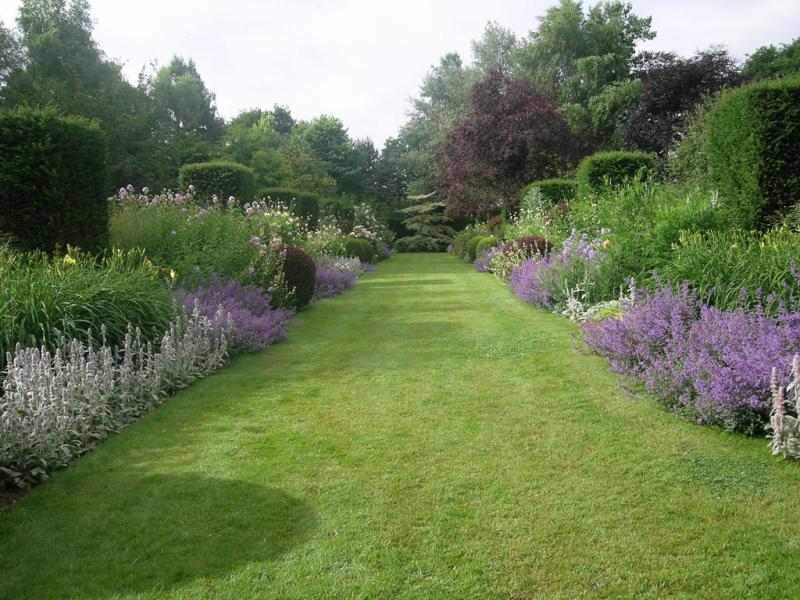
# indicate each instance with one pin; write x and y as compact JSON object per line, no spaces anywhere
{"x":151,"y":534}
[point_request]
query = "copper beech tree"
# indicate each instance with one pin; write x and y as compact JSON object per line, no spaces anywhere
{"x":512,"y":136}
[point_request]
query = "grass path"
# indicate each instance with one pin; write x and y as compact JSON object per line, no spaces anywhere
{"x":424,"y":436}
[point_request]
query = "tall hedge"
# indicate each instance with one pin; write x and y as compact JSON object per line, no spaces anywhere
{"x":303,"y":204}
{"x":613,"y":168}
{"x":218,"y":178}
{"x":554,"y":191}
{"x":53,"y":180}
{"x":753,"y":149}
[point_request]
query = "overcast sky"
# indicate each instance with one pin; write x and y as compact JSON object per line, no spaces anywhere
{"x":362,"y":59}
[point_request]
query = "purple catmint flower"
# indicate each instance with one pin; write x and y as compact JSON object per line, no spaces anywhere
{"x":331,"y":282}
{"x":710,"y":365}
{"x":256,"y":324}
{"x":541,"y":280}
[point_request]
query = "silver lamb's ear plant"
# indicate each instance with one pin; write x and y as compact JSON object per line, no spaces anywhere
{"x":57,"y":405}
{"x":785,"y":436}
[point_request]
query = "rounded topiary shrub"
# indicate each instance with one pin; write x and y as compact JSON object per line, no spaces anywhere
{"x":53,"y":181}
{"x":487,"y":242}
{"x":529,"y":245}
{"x":360,"y":248}
{"x":602,"y":169}
{"x":472,"y":246}
{"x":305,"y":205}
{"x":219,"y":178}
{"x":300,"y":273}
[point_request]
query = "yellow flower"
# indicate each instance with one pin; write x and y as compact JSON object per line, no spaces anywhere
{"x":68,"y":260}
{"x":734,"y":246}
{"x":606,"y":243}
{"x":172,"y":274}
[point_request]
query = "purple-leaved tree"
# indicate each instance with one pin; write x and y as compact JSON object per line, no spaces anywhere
{"x":511,"y":137}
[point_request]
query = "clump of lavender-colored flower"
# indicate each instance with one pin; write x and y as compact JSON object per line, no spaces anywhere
{"x":710,"y":365}
{"x":483,"y":264}
{"x":547,"y":281}
{"x":256,"y":324}
{"x":331,"y":282}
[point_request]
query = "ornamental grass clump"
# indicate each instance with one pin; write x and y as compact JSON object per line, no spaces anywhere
{"x":708,"y":365}
{"x":255,"y":323}
{"x":57,"y":404}
{"x":47,"y":300}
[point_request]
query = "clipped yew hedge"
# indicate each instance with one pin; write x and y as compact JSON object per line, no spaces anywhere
{"x":753,"y":150}
{"x":53,"y":181}
{"x":218,"y":178}
{"x":602,"y":169}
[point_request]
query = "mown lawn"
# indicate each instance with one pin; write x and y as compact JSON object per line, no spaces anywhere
{"x":424,"y":436}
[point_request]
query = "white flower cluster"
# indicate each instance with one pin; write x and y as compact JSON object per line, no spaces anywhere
{"x":361,"y":231}
{"x":55,"y":406}
{"x":275,"y":218}
{"x":785,"y":426}
{"x":128,"y":195}
{"x":367,"y":225}
{"x":577,"y":309}
{"x":341,"y":263}
{"x":326,"y":239}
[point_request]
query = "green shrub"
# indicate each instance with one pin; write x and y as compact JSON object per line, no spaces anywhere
{"x":553,"y":191}
{"x":462,"y":238}
{"x":43,"y":299}
{"x":360,"y":248}
{"x":753,"y":150}
{"x":340,"y":209}
{"x":641,"y":223}
{"x":305,"y":205}
{"x":472,"y":246}
{"x":299,"y":276}
{"x":53,"y":183}
{"x":485,"y":243}
{"x":219,"y":178}
{"x":195,"y":243}
{"x":598,"y":170}
{"x":729,"y":268}
{"x":688,"y":163}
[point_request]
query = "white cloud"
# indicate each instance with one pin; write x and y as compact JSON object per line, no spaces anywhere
{"x":361,"y":60}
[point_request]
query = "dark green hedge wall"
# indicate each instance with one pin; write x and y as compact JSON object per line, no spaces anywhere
{"x":753,"y":150}
{"x":614,"y":168}
{"x":218,"y":178}
{"x":53,"y":181}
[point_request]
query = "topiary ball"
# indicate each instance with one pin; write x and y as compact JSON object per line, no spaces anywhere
{"x":472,"y":246}
{"x":360,"y":248}
{"x":530,"y":245}
{"x":488,"y":242}
{"x":299,"y":272}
